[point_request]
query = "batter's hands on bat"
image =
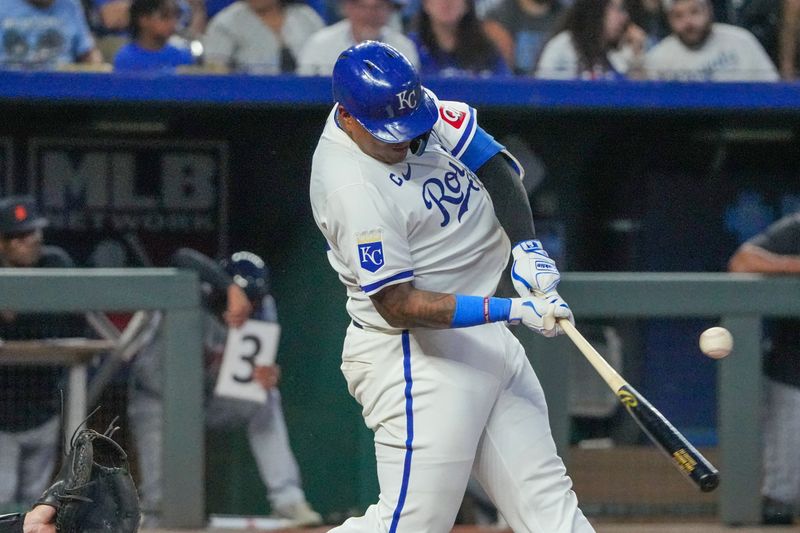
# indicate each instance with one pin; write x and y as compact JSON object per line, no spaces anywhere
{"x":540,"y":314}
{"x":533,"y":271}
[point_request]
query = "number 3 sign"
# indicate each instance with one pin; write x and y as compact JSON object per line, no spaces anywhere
{"x":253,"y":344}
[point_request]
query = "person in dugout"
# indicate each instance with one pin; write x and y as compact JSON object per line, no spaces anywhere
{"x":233,"y":291}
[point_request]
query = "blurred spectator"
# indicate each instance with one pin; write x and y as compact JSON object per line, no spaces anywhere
{"x":260,"y":36}
{"x":649,"y":15}
{"x":194,"y":19}
{"x":700,"y":49}
{"x":776,"y":251}
{"x":762,"y":18}
{"x":596,"y":40}
{"x":233,"y":292}
{"x":327,"y":9}
{"x":111,"y":22}
{"x":789,"y":52}
{"x":365,"y":20}
{"x":45,"y":34}
{"x":29,"y":422}
{"x":152,"y":24}
{"x":726,"y":10}
{"x":451,"y":41}
{"x":520,"y":29}
{"x":110,"y":17}
{"x":215,"y":6}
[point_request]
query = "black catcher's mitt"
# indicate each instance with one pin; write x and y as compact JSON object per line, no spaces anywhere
{"x":94,"y":491}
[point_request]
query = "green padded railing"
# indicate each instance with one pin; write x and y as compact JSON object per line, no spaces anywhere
{"x":176,"y":293}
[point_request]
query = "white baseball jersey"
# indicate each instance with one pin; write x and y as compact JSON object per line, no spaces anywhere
{"x":730,"y":54}
{"x":443,"y":403}
{"x":386,"y":224}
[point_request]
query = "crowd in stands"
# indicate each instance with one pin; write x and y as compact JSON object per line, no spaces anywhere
{"x":719,"y":40}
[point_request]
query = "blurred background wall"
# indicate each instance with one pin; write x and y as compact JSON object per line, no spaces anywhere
{"x":621,"y":178}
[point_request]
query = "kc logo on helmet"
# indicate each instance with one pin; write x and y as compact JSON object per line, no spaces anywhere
{"x":407,"y":98}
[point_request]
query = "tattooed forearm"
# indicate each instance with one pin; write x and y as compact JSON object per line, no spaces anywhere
{"x":403,"y":306}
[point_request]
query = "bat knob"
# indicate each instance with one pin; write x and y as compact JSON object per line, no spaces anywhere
{"x":709,"y":482}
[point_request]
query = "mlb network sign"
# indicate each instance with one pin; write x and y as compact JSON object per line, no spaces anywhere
{"x":122,"y":185}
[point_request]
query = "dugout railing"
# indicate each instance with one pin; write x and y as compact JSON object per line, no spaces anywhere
{"x":741,"y":301}
{"x":176,"y":294}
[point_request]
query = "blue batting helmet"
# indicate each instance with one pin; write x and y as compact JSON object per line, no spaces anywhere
{"x":250,"y":273}
{"x":378,"y":86}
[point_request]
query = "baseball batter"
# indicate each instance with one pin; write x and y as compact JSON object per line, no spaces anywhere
{"x":414,"y":237}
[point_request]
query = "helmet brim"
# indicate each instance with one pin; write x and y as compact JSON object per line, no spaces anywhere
{"x":405,"y":128}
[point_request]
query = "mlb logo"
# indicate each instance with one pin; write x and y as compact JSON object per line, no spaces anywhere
{"x":370,"y":251}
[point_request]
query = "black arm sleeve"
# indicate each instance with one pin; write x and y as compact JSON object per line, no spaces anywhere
{"x":12,"y":523}
{"x":209,"y":270}
{"x":511,"y":204}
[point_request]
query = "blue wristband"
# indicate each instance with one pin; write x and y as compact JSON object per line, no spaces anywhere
{"x":477,"y":310}
{"x":499,"y":309}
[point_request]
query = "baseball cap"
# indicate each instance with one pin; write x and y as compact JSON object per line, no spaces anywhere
{"x":19,"y":214}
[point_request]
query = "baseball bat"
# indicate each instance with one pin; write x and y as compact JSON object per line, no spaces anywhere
{"x":679,"y":450}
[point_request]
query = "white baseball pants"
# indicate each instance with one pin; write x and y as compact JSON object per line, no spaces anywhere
{"x":442,"y":404}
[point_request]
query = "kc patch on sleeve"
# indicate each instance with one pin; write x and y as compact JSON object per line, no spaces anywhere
{"x":370,"y":250}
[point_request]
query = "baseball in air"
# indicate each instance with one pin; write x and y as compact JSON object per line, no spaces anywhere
{"x":716,"y":342}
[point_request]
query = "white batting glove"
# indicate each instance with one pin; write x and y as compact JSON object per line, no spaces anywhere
{"x":540,"y":314}
{"x":533,"y":271}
